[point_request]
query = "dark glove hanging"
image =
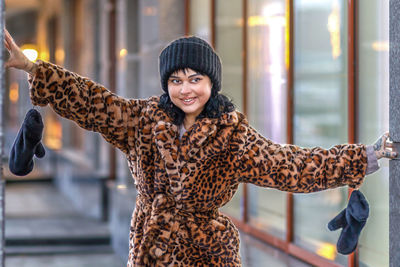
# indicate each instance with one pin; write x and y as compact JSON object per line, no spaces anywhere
{"x":26,"y":144}
{"x":352,"y":219}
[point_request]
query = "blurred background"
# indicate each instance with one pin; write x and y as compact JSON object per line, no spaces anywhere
{"x":308,"y":72}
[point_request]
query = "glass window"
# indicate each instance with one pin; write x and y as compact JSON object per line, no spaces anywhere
{"x":320,"y":112}
{"x":128,"y":68}
{"x":267,"y":102}
{"x":234,"y":207}
{"x":229,"y":27}
{"x":373,"y":110}
{"x":200,"y":18}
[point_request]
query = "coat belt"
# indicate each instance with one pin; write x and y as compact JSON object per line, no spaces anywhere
{"x":166,"y":218}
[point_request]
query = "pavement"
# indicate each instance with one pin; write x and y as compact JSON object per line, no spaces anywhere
{"x":43,"y":229}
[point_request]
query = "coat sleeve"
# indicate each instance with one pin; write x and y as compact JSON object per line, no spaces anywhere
{"x":295,"y":169}
{"x":87,"y":103}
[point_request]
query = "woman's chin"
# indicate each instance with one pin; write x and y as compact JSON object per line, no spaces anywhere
{"x":189,"y":110}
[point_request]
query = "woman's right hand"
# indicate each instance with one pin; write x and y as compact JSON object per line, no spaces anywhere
{"x":384,"y":148}
{"x":17,"y":59}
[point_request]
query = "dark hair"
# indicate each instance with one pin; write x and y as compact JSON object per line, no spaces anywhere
{"x":217,"y":105}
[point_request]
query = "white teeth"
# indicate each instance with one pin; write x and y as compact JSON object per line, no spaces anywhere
{"x":188,"y":100}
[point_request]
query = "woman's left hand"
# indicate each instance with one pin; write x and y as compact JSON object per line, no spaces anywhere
{"x":17,"y":59}
{"x":384,"y":147}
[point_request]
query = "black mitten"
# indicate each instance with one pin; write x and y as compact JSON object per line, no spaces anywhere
{"x":26,"y":144}
{"x":352,"y":219}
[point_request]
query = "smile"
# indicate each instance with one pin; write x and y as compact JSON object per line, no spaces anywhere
{"x":188,"y":101}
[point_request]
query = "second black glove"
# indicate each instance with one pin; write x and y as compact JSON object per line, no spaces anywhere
{"x":352,"y":220}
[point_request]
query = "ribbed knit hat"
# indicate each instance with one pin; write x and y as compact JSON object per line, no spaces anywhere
{"x":190,"y":52}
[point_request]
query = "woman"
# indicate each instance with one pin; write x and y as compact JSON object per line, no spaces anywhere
{"x":188,"y":150}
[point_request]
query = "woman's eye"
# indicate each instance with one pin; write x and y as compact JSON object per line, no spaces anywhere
{"x":175,"y":81}
{"x":196,"y":80}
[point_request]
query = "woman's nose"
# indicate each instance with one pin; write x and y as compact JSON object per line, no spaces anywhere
{"x":185,"y":89}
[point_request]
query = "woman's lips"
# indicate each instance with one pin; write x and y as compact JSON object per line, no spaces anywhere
{"x":188,"y":101}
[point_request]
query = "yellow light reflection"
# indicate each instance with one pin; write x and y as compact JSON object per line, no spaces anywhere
{"x":44,"y":55}
{"x":60,"y":55}
{"x":380,"y":46}
{"x":334,"y":30}
{"x":53,"y":133}
{"x":14,"y":95}
{"x":123,"y":52}
{"x":121,"y":187}
{"x":239,"y":22}
{"x":253,"y":21}
{"x":327,"y":251}
{"x":287,"y":35}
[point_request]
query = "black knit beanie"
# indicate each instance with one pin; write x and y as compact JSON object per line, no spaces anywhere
{"x":190,"y":52}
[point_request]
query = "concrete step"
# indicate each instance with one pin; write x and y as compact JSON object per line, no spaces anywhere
{"x":66,"y":260}
{"x":58,"y":249}
{"x":68,"y":227}
{"x":58,"y":241}
{"x":54,"y":245}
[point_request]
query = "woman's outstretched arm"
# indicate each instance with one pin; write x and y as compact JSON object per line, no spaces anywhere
{"x":296,"y":169}
{"x":77,"y":98}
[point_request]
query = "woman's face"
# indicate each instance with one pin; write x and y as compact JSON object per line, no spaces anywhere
{"x":189,"y":91}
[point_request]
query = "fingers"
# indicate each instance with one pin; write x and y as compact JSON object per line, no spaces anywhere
{"x":384,"y":147}
{"x":7,"y":46}
{"x":384,"y":138}
{"x":8,"y":36}
{"x":382,"y":142}
{"x":17,"y":59}
{"x":9,"y":41}
{"x":5,"y":31}
{"x":389,"y":154}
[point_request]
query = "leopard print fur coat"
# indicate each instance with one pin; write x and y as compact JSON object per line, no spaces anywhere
{"x":181,"y":183}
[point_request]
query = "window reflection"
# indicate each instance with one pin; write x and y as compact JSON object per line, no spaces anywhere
{"x":229,"y":47}
{"x":373,"y":96}
{"x":267,"y":102}
{"x":200,"y":19}
{"x":320,"y":112}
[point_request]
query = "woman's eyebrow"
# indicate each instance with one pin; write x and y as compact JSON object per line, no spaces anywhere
{"x":194,"y":75}
{"x":177,"y":77}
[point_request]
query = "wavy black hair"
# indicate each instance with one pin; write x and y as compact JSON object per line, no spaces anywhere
{"x":217,"y":105}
